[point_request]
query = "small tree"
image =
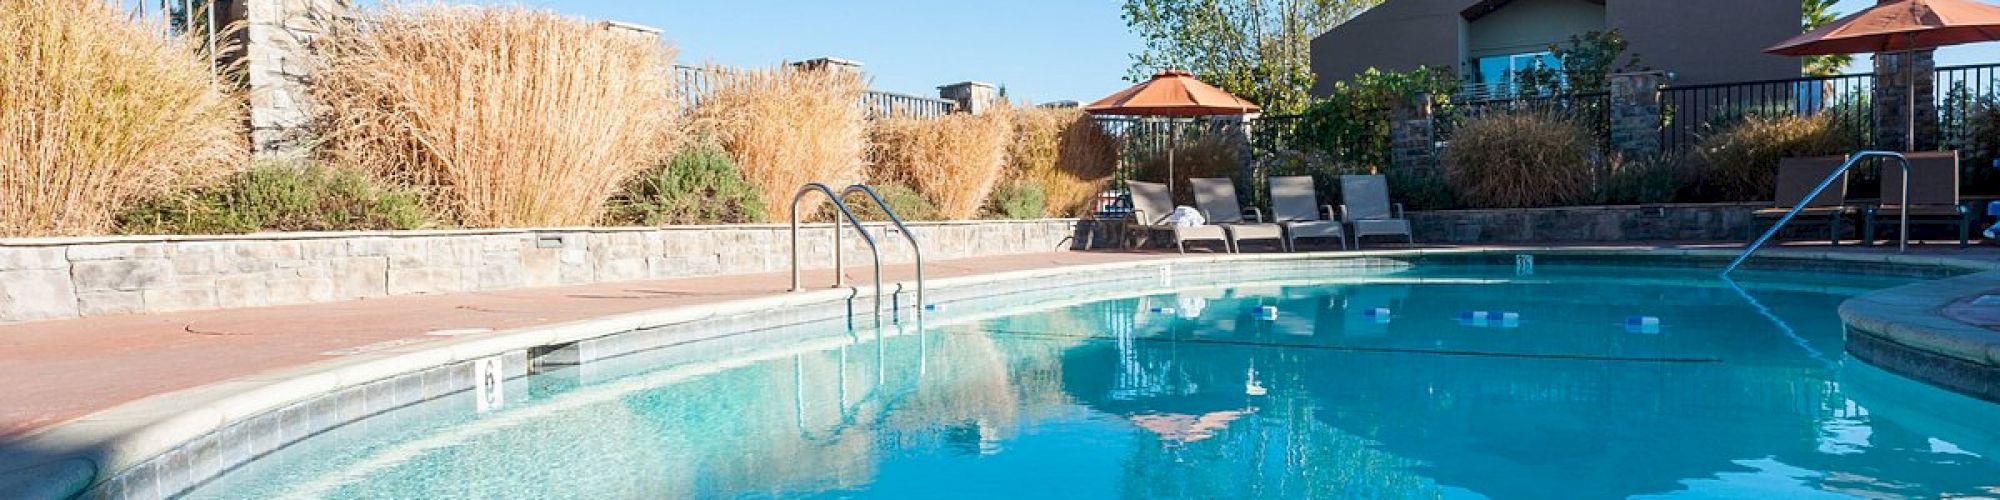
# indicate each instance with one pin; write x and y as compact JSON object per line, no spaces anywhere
{"x":1257,"y":49}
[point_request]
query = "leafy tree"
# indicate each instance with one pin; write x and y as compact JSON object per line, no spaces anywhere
{"x":1820,"y":13}
{"x":1257,"y":49}
{"x":1589,"y":60}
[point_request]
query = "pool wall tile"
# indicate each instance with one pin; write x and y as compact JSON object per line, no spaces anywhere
{"x":207,"y":458}
{"x":142,"y":483}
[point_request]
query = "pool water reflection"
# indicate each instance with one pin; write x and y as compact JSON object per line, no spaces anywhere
{"x":1386,"y":389}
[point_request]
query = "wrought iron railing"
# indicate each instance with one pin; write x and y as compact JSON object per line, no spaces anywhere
{"x":696,"y":83}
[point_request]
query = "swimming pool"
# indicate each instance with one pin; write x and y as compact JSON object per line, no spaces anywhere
{"x":1434,"y":380}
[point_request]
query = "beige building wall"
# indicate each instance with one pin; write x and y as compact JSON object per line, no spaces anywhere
{"x":1531,"y":26}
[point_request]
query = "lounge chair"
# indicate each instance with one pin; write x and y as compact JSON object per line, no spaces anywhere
{"x":1365,"y":206}
{"x":1796,"y":178}
{"x":1933,"y":196}
{"x":1296,"y":207}
{"x":1151,"y":204}
{"x":1216,"y":197}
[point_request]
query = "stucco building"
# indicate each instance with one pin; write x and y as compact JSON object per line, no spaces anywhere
{"x":1699,"y":41}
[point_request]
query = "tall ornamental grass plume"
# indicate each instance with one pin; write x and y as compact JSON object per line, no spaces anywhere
{"x":1739,"y":162}
{"x":1067,"y":154}
{"x":954,"y":160}
{"x":1522,"y":159}
{"x":503,"y":116}
{"x":785,"y":127}
{"x":98,"y":111}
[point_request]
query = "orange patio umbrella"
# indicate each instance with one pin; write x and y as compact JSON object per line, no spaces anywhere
{"x":1893,"y":26}
{"x":1172,"y":93}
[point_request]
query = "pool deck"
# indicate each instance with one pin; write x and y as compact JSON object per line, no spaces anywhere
{"x":53,"y":372}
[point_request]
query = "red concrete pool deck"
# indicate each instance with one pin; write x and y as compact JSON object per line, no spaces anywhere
{"x":55,"y":371}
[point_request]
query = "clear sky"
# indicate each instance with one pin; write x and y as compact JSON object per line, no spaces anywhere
{"x":1948,"y":56}
{"x":1041,"y":50}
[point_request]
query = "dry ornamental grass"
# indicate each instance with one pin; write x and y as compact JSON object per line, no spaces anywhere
{"x":1521,"y":160}
{"x":98,"y":111}
{"x":785,"y":127}
{"x":1067,"y":154}
{"x":954,"y":160}
{"x":504,"y":116}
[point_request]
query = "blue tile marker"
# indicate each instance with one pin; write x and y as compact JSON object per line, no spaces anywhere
{"x":1380,"y":315}
{"x":1267,"y":313}
{"x":1164,"y":310}
{"x":1486,"y":319}
{"x":1646,"y":325}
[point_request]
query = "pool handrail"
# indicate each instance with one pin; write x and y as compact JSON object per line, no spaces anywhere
{"x":1903,"y":206}
{"x":838,"y":270}
{"x":911,"y":237}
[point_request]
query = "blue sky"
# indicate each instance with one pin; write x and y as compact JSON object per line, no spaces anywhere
{"x":1041,"y":50}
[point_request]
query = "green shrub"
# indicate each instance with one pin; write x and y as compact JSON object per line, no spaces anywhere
{"x":1418,"y":190}
{"x":280,"y":197}
{"x":1651,"y":181}
{"x":1020,"y":199}
{"x":1352,"y":122}
{"x":909,"y":204}
{"x":1520,"y":160}
{"x":1740,"y":162}
{"x":701,"y":185}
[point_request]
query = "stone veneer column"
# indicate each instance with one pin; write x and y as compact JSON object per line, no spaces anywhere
{"x":972,"y":97}
{"x":1636,"y":117}
{"x":278,"y":65}
{"x":1893,"y":85}
{"x":1413,"y":137}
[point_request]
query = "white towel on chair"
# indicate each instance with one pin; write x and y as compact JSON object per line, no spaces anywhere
{"x":1186,"y":217}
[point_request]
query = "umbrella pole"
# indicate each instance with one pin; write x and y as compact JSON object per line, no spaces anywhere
{"x":1173,"y":142}
{"x":1910,"y":105}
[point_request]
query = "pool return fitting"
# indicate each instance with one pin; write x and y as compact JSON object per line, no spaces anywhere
{"x":839,"y":269}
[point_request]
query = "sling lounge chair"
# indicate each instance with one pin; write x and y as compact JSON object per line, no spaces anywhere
{"x":1216,"y":197}
{"x":1151,"y":204}
{"x":1296,"y":207}
{"x":1796,"y":178}
{"x":1365,"y":206}
{"x":1933,"y":196}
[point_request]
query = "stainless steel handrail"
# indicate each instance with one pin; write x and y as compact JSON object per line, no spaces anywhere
{"x":1903,"y":206}
{"x":907,"y":236}
{"x":838,"y":269}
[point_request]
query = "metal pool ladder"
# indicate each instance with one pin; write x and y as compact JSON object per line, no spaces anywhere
{"x":839,"y":278}
{"x":1903,"y":206}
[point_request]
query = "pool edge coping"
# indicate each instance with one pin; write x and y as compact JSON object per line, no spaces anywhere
{"x":124,"y":436}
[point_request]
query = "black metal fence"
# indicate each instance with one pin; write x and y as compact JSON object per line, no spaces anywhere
{"x":1695,"y":109}
{"x":696,"y":83}
{"x":1690,"y":111}
{"x":1964,"y":94}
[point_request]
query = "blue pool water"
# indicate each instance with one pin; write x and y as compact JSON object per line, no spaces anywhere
{"x":1395,"y":388}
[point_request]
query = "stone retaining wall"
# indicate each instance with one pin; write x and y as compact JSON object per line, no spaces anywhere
{"x":1689,"y":222}
{"x":68,"y":278}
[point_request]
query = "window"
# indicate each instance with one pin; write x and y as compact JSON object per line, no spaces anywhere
{"x":1497,"y":74}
